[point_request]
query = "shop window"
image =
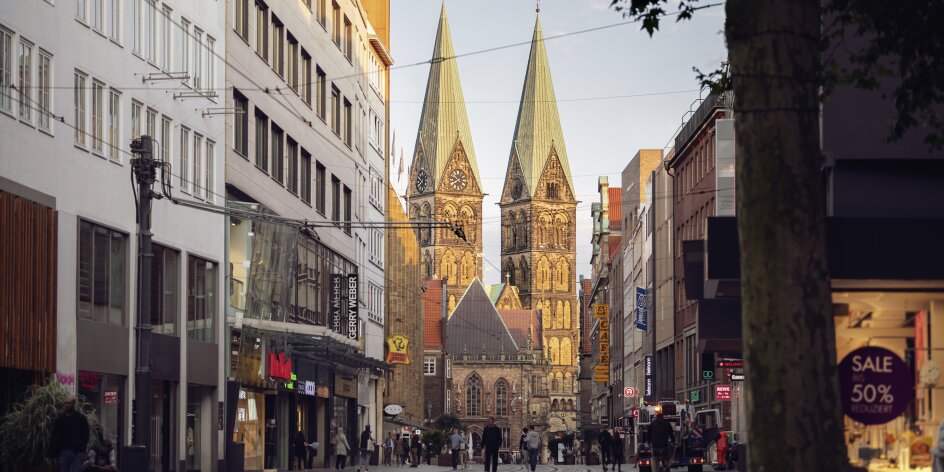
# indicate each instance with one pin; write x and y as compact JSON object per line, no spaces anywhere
{"x":105,"y":394}
{"x":250,"y":428}
{"x":165,"y":291}
{"x":195,"y":426}
{"x":102,"y":280}
{"x":201,"y":299}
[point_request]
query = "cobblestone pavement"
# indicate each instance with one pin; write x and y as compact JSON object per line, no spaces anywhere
{"x":501,"y":468}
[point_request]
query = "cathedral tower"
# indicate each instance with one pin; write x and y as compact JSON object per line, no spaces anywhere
{"x":538,"y":214}
{"x":444,"y":177}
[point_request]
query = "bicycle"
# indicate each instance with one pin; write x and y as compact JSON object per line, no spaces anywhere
{"x":662,"y":458}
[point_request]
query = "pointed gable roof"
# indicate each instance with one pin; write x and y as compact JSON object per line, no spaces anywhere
{"x":538,"y":129}
{"x":444,"y":119}
{"x":524,"y":324}
{"x":475,"y":327}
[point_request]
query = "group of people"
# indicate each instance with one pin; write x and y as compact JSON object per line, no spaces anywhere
{"x":70,"y":443}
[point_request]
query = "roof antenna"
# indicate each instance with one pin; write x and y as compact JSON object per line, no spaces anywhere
{"x":538,"y":8}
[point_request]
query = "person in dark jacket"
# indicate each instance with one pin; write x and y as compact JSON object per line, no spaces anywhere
{"x":605,"y":439}
{"x":70,"y":437}
{"x":366,"y":447}
{"x":617,"y":451}
{"x":491,"y":442}
{"x":300,"y":450}
{"x":416,"y":448}
{"x":405,"y":451}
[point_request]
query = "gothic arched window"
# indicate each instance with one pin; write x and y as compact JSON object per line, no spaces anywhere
{"x":524,"y":272}
{"x":544,"y":229}
{"x":473,"y":395}
{"x":467,"y":271}
{"x":567,"y":318}
{"x":425,"y":216}
{"x":545,"y":307}
{"x":544,"y":274}
{"x":561,"y":275}
{"x":447,"y":268}
{"x":523,"y":230}
{"x":468,"y":222}
{"x":452,"y":303}
{"x":554,"y":351}
{"x":427,"y":265}
{"x":501,"y":398}
{"x":566,"y":352}
{"x":509,"y":271}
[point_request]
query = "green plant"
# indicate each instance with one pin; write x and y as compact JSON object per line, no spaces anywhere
{"x":434,"y":441}
{"x":25,"y":431}
{"x":447,"y":422}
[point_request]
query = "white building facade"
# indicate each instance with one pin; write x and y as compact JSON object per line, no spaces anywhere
{"x":79,"y":80}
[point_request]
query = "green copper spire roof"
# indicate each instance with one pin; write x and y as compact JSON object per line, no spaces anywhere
{"x":538,"y":128}
{"x":444,"y":118}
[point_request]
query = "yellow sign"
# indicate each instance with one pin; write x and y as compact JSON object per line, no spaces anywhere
{"x":601,"y":369}
{"x":601,"y":310}
{"x":398,"y":349}
{"x":603,"y":378}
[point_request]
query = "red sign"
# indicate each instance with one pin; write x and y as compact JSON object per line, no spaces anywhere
{"x":723,"y":392}
{"x":111,"y":397}
{"x":629,"y":392}
{"x":636,"y":413}
{"x":731,"y":364}
{"x":280,"y":367}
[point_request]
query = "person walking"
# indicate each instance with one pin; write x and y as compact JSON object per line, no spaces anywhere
{"x":523,"y":445}
{"x":533,"y":442}
{"x":722,"y":449}
{"x":578,"y":451}
{"x":70,"y":437}
{"x":299,"y":451}
{"x":388,"y":449}
{"x":398,"y":451}
{"x":616,"y":451}
{"x":605,"y":439}
{"x":343,"y":448}
{"x":456,"y":441}
{"x":416,"y":447}
{"x":491,"y":442}
{"x":405,"y":450}
{"x":366,"y":447}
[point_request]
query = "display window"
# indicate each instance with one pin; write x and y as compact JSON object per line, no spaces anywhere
{"x":105,"y":394}
{"x":250,"y":427}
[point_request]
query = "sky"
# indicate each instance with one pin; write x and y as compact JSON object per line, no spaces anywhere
{"x":593,"y":74}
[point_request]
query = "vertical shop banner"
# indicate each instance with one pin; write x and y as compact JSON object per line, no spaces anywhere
{"x":336,"y":302}
{"x":601,"y":371}
{"x":649,"y":388}
{"x":353,"y":318}
{"x":642,"y":309}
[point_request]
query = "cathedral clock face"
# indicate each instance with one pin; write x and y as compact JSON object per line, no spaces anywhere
{"x":516,"y":189}
{"x":458,"y":180}
{"x":422,"y":181}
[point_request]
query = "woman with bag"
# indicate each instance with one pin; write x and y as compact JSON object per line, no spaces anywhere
{"x":343,"y":447}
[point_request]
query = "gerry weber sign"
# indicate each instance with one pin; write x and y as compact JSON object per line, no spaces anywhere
{"x":875,"y":384}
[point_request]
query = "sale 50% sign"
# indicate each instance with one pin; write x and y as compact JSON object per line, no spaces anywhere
{"x":876,"y":385}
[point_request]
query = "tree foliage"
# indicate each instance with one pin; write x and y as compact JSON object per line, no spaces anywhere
{"x":903,"y":54}
{"x":447,"y":422}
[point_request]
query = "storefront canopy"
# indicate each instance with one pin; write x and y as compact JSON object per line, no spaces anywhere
{"x":327,"y":351}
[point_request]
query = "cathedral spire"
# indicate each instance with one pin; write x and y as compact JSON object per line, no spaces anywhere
{"x":538,"y":129}
{"x":444,"y":123}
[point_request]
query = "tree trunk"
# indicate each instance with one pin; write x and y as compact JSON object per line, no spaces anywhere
{"x":795,"y":421}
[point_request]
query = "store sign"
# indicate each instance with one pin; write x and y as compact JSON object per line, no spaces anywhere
{"x":280,"y":367}
{"x":111,"y":397}
{"x":398,"y":347}
{"x":605,"y":420}
{"x":635,"y":413}
{"x":345,"y":387}
{"x":602,"y":369}
{"x":642,"y":309}
{"x":875,"y":384}
{"x":601,"y":311}
{"x":649,"y":388}
{"x":694,"y":396}
{"x":629,"y":392}
{"x":308,"y":388}
{"x":393,"y":410}
{"x":336,"y":301}
{"x":723,"y":393}
{"x":353,"y":318}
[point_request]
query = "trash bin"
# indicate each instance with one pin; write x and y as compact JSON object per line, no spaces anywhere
{"x":134,"y":457}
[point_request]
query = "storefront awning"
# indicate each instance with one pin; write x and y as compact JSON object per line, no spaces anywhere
{"x":330,"y":352}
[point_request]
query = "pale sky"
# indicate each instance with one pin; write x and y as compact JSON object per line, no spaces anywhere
{"x":602,"y":134}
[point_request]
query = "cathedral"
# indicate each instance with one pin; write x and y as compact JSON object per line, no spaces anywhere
{"x":538,"y":252}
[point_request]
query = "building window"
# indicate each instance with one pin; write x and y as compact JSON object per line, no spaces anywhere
{"x":335,"y":110}
{"x":197,"y":165}
{"x":166,"y":39}
{"x":184,"y":158}
{"x":306,"y":177}
{"x":115,"y":20}
{"x":292,"y":63}
{"x":348,"y":39}
{"x":320,"y":92}
{"x":336,"y":23}
{"x":150,"y":30}
{"x":335,"y":199}
{"x":292,"y":157}
{"x":208,"y":185}
{"x":26,"y":76}
{"x":322,"y":13}
{"x":347,"y":123}
{"x":201,"y":299}
{"x":347,"y":210}
{"x":473,"y":396}
{"x":136,"y":110}
{"x":44,"y":84}
{"x":165,"y":292}
{"x":98,"y":118}
{"x":137,"y":20}
{"x":306,"y":77}
{"x":197,"y":70}
{"x":501,"y":398}
{"x":242,"y":18}
{"x":98,"y":15}
{"x":278,"y":47}
{"x":102,"y":283}
{"x":80,"y":80}
{"x":262,"y":31}
{"x":166,"y":126}
{"x":210,"y":76}
{"x":262,"y":141}
{"x":114,"y":118}
{"x":184,"y":46}
{"x":81,"y":11}
{"x":6,"y":70}
{"x":429,"y":365}
{"x":278,"y":154}
{"x":241,"y":127}
{"x":151,"y":128}
{"x":320,"y":184}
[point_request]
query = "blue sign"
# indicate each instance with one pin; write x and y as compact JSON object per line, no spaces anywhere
{"x":642,"y":310}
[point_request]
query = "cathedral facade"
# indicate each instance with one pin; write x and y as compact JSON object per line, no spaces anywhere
{"x":538,"y":214}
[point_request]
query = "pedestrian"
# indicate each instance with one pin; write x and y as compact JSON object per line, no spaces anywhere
{"x":416,"y":447}
{"x":70,"y":437}
{"x":388,"y":449}
{"x":366,"y":448}
{"x":722,"y":449}
{"x":456,"y":441}
{"x":616,"y":451}
{"x":523,"y":446}
{"x":533,"y":443}
{"x":605,"y":439}
{"x":100,"y":458}
{"x":405,"y":450}
{"x":300,"y":451}
{"x":491,"y":441}
{"x":343,"y":447}
{"x":578,"y":452}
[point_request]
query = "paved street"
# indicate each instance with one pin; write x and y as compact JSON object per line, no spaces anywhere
{"x":501,"y":468}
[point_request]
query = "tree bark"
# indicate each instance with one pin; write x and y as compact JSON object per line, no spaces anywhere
{"x":795,"y":421}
